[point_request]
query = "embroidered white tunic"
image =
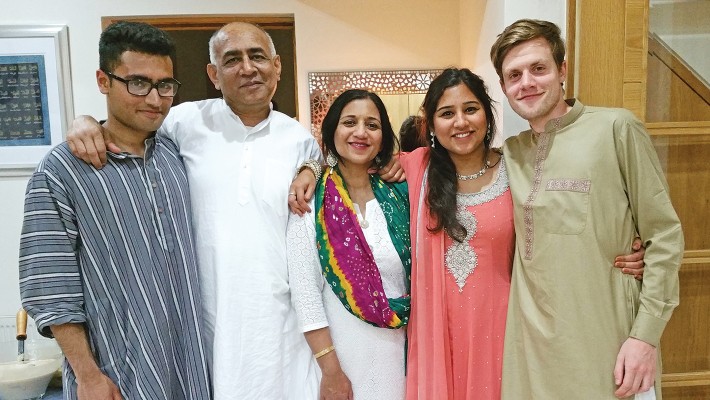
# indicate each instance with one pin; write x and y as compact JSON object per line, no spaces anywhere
{"x":371,"y":357}
{"x":239,"y":179}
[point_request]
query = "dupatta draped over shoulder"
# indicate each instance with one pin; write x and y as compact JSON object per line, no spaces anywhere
{"x":456,"y":331}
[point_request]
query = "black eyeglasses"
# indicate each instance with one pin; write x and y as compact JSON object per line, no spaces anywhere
{"x":142,"y":87}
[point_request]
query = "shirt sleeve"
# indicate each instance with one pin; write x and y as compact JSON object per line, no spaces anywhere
{"x":657,"y":224}
{"x":168,"y":128}
{"x":313,"y":152}
{"x":50,"y":281}
{"x":304,"y":272}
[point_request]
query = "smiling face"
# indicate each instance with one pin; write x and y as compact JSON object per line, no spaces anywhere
{"x":244,"y":70}
{"x":533,"y":83}
{"x":460,"y":123}
{"x":358,"y":136}
{"x":142,"y":114}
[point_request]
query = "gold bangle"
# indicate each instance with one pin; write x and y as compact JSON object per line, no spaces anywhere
{"x":314,"y":166}
{"x":324,"y":351}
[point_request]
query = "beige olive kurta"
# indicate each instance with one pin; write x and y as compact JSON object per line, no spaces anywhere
{"x":581,"y":190}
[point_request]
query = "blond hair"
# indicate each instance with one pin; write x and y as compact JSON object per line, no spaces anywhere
{"x":521,"y":31}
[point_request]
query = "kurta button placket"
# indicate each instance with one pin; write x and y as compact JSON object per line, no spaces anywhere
{"x":158,"y":197}
{"x":245,"y":176}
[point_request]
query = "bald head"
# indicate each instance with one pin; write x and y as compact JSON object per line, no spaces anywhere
{"x":237,"y":28}
{"x":245,"y":68}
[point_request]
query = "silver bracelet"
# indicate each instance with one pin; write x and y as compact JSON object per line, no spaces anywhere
{"x":314,"y":166}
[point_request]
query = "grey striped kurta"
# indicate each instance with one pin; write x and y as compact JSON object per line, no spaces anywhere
{"x":113,"y":249}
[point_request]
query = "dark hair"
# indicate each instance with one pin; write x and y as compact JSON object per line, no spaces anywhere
{"x":330,"y":123}
{"x":442,"y":180}
{"x":410,"y":134}
{"x":123,"y":36}
{"x":521,"y":31}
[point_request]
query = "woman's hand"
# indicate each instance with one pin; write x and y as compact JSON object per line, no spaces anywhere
{"x":632,"y":264}
{"x":335,"y":386}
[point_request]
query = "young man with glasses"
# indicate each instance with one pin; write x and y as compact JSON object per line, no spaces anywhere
{"x":107,"y":261}
{"x":240,"y":157}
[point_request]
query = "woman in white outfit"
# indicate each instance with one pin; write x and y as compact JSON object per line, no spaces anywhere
{"x":349,"y":259}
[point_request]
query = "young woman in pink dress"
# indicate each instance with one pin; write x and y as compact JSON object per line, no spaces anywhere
{"x":462,"y":245}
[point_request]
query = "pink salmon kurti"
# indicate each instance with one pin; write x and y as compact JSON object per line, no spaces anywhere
{"x":459,"y":291}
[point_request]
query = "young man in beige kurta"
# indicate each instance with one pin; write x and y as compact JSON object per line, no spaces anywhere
{"x":582,"y":188}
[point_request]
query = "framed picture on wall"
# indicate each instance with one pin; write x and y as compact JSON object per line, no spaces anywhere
{"x":35,"y":94}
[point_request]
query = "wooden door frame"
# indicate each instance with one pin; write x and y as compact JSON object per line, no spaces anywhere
{"x":213,"y":22}
{"x":609,"y":39}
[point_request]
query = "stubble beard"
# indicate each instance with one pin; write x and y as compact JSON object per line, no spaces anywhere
{"x":542,"y":109}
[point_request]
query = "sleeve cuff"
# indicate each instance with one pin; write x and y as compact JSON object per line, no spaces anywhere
{"x":648,"y":328}
{"x":46,"y":321}
{"x":314,"y":326}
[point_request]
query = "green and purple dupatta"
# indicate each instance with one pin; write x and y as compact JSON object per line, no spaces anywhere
{"x":346,"y":259}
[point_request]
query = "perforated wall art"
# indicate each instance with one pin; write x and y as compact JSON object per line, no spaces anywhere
{"x":324,"y":87}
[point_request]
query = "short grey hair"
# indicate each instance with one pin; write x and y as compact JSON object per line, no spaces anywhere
{"x":220,"y":32}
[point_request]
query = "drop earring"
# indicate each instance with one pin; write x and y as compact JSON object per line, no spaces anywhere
{"x":331,"y":160}
{"x":433,"y":144}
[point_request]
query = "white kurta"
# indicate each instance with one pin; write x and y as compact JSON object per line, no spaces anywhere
{"x":371,"y":357}
{"x":239,"y":179}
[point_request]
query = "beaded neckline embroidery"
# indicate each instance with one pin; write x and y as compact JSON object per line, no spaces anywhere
{"x":461,"y":259}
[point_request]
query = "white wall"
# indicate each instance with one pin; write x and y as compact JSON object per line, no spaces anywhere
{"x":684,"y":27}
{"x":330,"y":35}
{"x":12,"y":191}
{"x":481,"y":21}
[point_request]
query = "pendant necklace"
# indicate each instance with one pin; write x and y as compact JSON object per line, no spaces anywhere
{"x":477,"y":175}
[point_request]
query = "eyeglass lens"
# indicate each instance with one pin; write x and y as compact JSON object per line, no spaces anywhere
{"x":141,"y":87}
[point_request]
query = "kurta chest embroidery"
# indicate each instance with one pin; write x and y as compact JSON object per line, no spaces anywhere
{"x":540,"y":157}
{"x":461,"y":259}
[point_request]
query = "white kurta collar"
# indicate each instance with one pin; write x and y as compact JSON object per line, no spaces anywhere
{"x":249,"y":129}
